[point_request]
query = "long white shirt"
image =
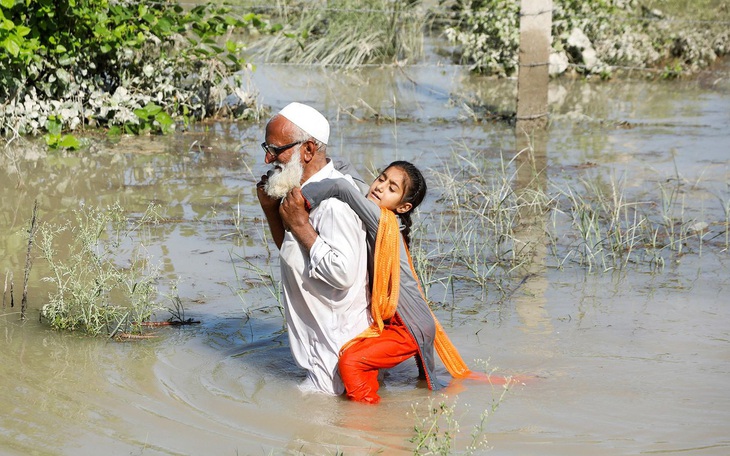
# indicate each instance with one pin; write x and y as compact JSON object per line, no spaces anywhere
{"x":325,"y":289}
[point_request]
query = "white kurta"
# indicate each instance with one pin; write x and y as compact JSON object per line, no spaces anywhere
{"x":325,"y":289}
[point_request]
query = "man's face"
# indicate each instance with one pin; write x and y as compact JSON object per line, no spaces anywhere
{"x":283,"y":153}
{"x":283,"y":177}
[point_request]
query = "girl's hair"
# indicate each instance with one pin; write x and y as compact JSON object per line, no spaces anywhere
{"x":415,"y":191}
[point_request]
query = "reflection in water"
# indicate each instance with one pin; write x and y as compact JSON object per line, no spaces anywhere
{"x":531,"y":178}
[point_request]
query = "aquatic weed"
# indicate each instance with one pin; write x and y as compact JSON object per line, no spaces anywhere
{"x":94,"y":293}
{"x":436,"y":429}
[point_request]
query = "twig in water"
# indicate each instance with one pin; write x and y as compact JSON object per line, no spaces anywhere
{"x":28,"y":262}
{"x":189,"y":321}
{"x":5,"y":289}
{"x":129,"y":336}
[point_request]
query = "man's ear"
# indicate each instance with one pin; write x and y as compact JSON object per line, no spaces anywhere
{"x":309,"y":149}
{"x":403,"y":208}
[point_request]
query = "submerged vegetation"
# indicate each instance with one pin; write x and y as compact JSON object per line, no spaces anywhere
{"x":437,"y":429}
{"x":496,"y":223}
{"x":605,"y":37}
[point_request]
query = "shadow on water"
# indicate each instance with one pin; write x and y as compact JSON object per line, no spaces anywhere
{"x":629,"y":361}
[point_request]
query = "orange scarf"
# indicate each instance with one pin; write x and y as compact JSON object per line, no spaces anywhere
{"x":386,"y":287}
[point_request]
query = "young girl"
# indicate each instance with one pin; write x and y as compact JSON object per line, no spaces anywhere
{"x":403,"y":324}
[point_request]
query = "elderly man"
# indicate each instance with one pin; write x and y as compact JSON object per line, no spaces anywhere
{"x":323,"y":253}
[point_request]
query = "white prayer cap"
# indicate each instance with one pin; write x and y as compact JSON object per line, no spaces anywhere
{"x":308,"y":119}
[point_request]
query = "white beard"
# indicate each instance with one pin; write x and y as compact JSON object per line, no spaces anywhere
{"x":283,"y":180}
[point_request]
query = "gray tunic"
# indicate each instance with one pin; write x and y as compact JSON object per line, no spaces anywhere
{"x":412,"y":308}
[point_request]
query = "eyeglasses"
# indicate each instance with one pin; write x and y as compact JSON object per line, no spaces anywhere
{"x":275,"y":151}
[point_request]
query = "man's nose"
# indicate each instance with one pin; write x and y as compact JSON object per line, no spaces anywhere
{"x":268,"y":159}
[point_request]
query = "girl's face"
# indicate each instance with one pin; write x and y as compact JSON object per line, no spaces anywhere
{"x":388,"y":190}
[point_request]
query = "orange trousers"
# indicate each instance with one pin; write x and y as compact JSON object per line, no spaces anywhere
{"x":360,"y":363}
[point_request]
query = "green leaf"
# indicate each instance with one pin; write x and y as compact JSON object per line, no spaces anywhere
{"x":11,"y":47}
{"x":52,"y":140}
{"x":148,"y":112}
{"x":152,"y":109}
{"x":114,"y":131}
{"x":63,"y":75}
{"x":69,"y":142}
{"x":166,"y":122}
{"x":6,"y":24}
{"x":53,"y":125}
{"x":163,"y":26}
{"x":22,"y":30}
{"x":151,"y":19}
{"x":7,"y":4}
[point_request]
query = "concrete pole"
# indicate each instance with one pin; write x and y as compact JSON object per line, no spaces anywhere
{"x":532,"y":79}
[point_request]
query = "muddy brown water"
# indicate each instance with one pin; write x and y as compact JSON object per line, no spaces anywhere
{"x":628,"y":362}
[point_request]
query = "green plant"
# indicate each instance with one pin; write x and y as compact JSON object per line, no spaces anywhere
{"x":488,"y":33}
{"x":151,"y":117}
{"x":435,"y":431}
{"x":436,"y":427}
{"x":94,"y":293}
{"x":98,"y":62}
{"x":55,"y":139}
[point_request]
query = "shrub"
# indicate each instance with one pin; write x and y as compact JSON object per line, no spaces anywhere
{"x":94,"y":294}
{"x":72,"y":63}
{"x":622,"y":33}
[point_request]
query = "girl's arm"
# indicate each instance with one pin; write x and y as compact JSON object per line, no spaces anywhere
{"x":369,"y":212}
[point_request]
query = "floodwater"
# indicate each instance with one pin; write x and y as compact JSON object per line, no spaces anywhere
{"x":621,"y":362}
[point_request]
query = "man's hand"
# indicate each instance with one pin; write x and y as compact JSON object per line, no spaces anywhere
{"x":292,"y":210}
{"x":267,"y":202}
{"x":271,"y":211}
{"x":296,"y":218}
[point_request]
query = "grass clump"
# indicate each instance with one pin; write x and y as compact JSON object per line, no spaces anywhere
{"x":345,"y":33}
{"x":476,"y":237}
{"x":491,"y":225}
{"x":93,"y":293}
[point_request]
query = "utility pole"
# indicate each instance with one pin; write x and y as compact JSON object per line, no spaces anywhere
{"x":532,"y":79}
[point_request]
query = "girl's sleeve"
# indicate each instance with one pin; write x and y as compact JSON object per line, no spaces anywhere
{"x":368,"y":211}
